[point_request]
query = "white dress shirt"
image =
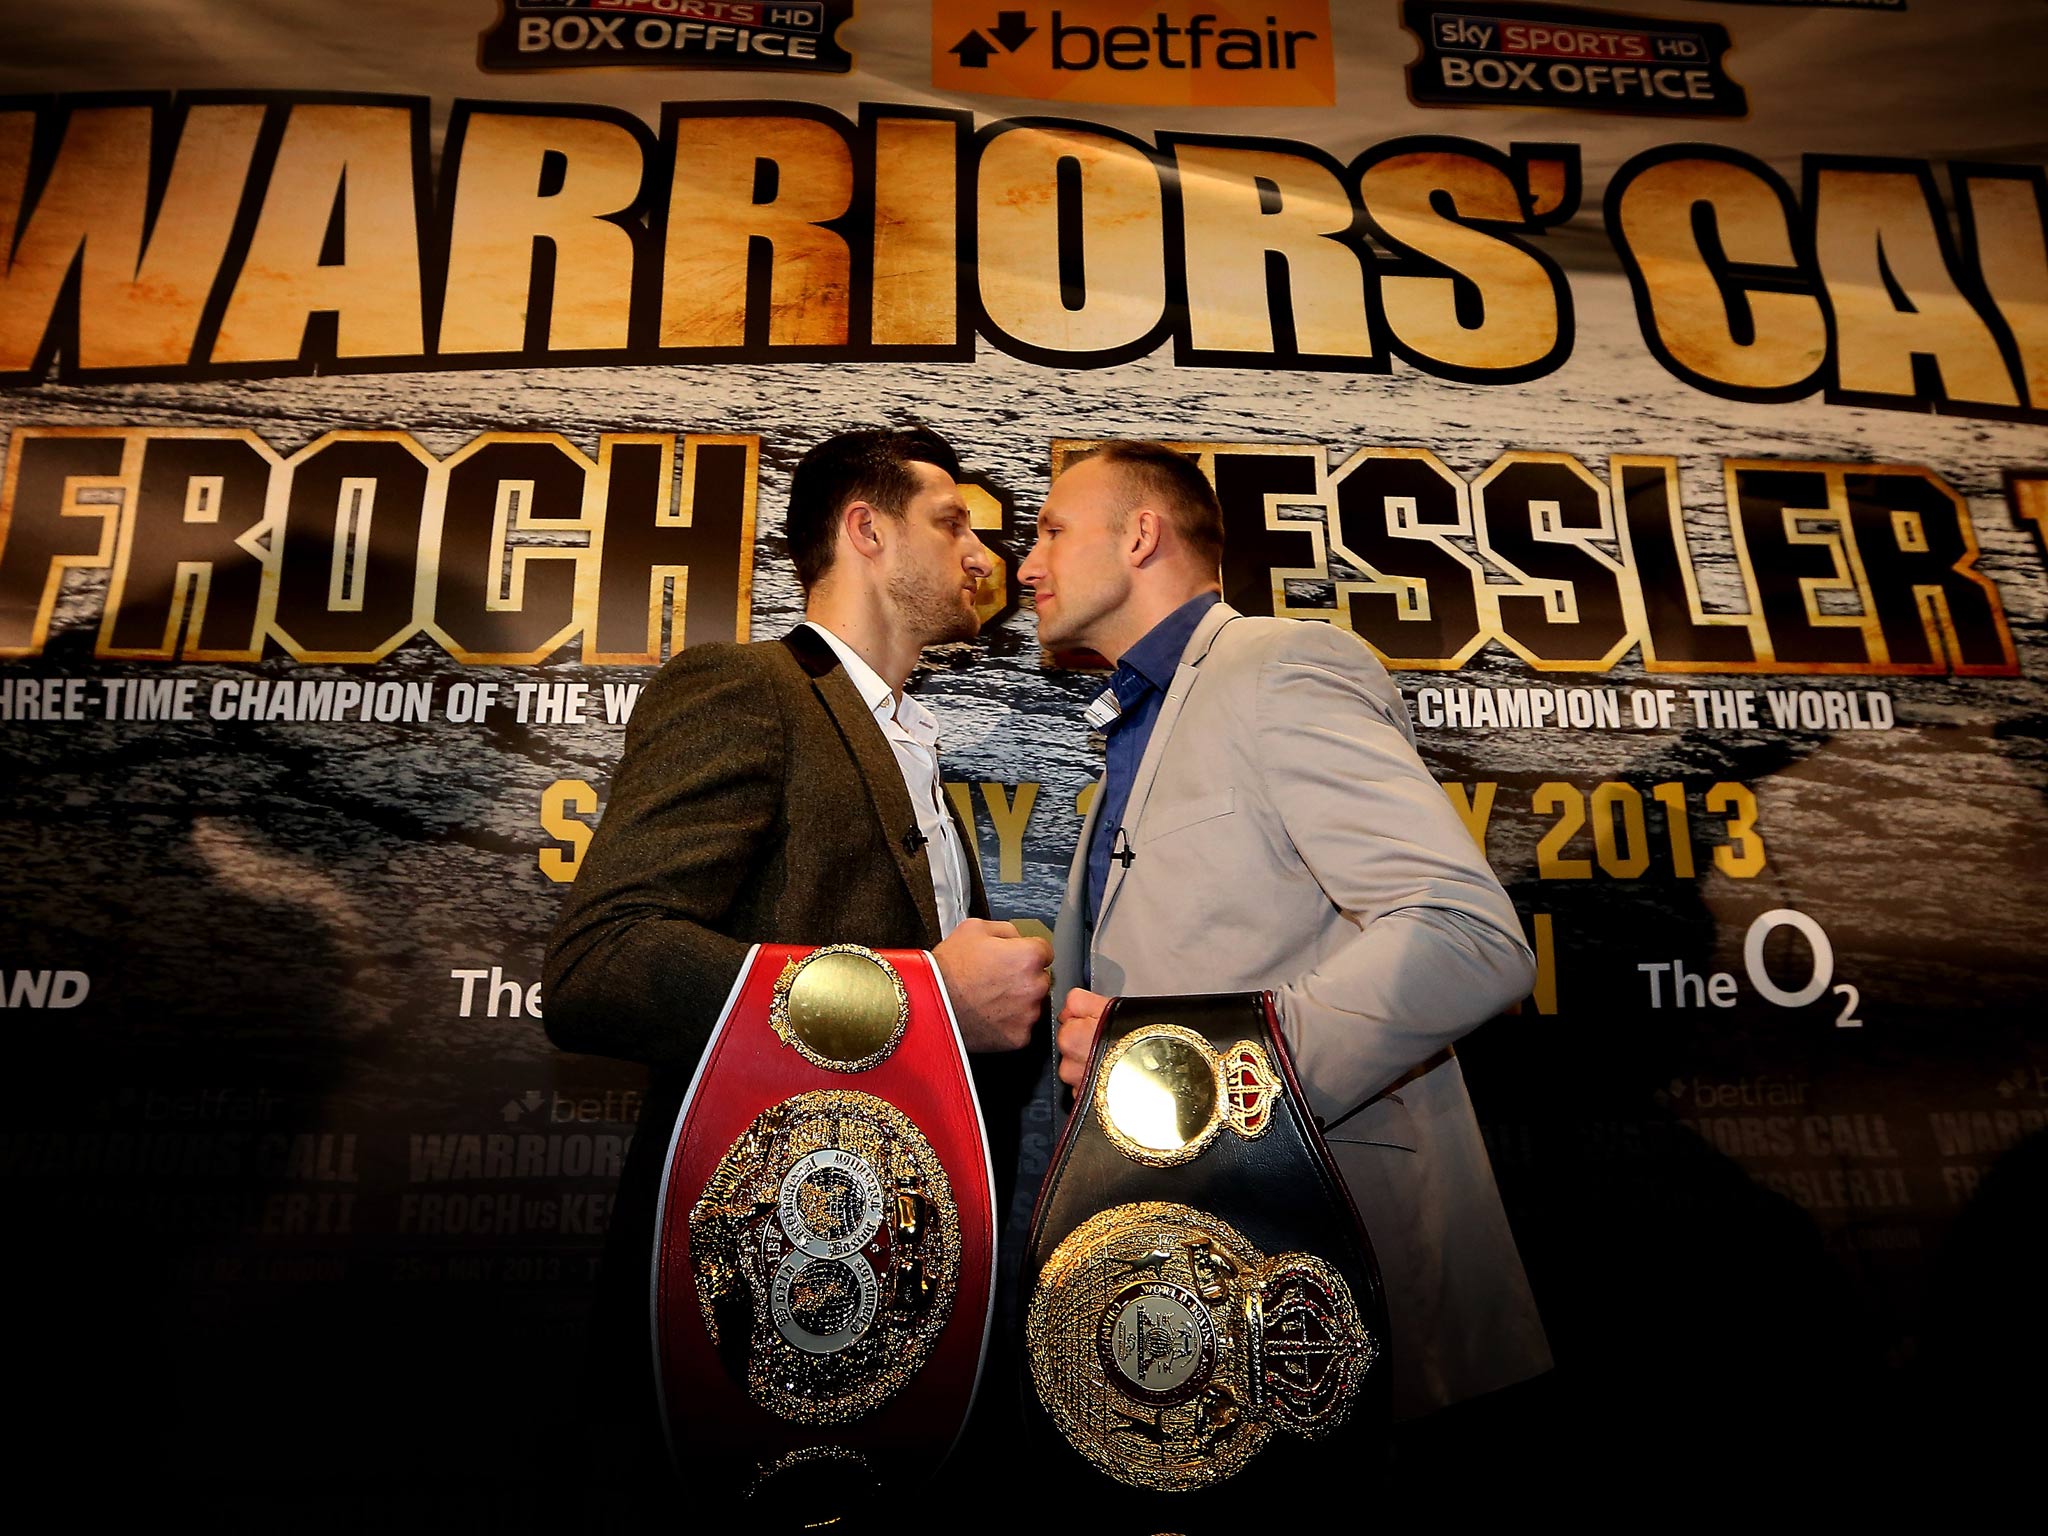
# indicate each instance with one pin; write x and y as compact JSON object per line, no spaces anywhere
{"x":913,"y":735}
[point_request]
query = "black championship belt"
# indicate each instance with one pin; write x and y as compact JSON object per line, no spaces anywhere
{"x":825,"y":1245}
{"x":1205,"y":1312}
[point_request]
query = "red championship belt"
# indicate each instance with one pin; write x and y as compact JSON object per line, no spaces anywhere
{"x":824,"y":1257}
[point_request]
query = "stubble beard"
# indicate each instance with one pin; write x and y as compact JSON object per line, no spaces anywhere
{"x":936,"y":613}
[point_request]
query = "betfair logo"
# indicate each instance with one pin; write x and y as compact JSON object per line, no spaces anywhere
{"x":1276,"y":54}
{"x":1011,"y":31}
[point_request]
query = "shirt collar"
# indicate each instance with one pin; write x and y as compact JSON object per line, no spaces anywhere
{"x":1156,"y":657}
{"x":880,"y":699}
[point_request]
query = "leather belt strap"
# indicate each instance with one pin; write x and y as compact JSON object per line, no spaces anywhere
{"x":1206,"y":1315}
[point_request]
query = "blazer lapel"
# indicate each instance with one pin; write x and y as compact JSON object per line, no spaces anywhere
{"x":887,"y":798}
{"x":1155,"y":748}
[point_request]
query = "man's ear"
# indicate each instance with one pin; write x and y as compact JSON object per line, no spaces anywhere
{"x":860,"y":524}
{"x":1146,"y":532}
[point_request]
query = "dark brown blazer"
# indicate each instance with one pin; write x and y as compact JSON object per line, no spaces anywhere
{"x":757,"y":801}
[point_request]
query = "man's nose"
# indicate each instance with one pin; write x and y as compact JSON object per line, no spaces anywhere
{"x":981,"y":562}
{"x":1029,"y":571}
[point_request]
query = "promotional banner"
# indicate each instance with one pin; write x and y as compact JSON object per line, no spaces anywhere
{"x":387,"y":391}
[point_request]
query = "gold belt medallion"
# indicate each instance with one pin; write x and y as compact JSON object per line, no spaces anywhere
{"x":1163,"y":1095}
{"x":842,"y":1007}
{"x":1169,"y":1350}
{"x":827,"y":1246}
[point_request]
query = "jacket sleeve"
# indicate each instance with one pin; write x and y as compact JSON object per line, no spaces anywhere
{"x":1438,"y":949}
{"x":638,"y":965}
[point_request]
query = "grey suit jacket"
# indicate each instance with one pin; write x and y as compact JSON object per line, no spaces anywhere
{"x":1286,"y":836}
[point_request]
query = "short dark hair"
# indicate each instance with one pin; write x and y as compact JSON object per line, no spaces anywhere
{"x":871,"y":464}
{"x":1155,"y":471}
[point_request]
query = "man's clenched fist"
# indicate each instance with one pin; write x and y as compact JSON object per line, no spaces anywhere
{"x":998,"y":980}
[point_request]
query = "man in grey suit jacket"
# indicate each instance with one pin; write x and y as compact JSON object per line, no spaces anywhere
{"x":1265,"y":823}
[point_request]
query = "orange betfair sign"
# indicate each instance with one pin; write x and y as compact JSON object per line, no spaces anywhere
{"x":1162,"y":53}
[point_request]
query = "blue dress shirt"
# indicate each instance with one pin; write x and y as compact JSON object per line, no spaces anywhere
{"x":1140,"y":683}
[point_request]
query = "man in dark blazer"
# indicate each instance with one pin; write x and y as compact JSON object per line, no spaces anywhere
{"x":787,"y":792}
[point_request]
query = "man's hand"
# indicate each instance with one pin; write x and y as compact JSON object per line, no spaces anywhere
{"x":1080,"y":1022}
{"x":998,"y":980}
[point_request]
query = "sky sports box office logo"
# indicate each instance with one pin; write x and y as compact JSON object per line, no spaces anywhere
{"x":1561,"y":56}
{"x":1275,"y":53}
{"x":668,"y":34}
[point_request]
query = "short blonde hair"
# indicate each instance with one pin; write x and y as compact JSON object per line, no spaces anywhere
{"x":1154,"y":471}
